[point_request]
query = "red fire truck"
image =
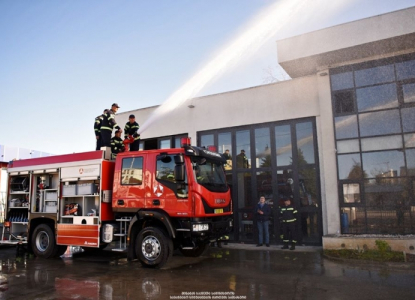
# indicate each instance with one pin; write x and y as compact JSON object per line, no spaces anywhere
{"x":146,"y":203}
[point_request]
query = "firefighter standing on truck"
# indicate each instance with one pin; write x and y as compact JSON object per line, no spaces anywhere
{"x":288,"y":218}
{"x":130,"y":129}
{"x":108,"y":124}
{"x":117,"y":144}
{"x":97,"y":129}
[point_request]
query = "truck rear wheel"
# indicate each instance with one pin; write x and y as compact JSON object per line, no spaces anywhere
{"x":153,"y":248}
{"x":195,"y":252}
{"x":43,"y":242}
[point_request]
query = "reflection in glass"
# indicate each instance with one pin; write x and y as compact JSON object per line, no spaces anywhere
{"x":408,"y":119}
{"x":206,"y":140}
{"x":350,"y":167}
{"x":132,"y":171}
{"x":243,"y":142}
{"x":305,"y":143}
{"x":375,"y":75}
{"x":348,"y":146}
{"x":309,"y":225}
{"x":165,"y":144}
{"x":383,"y":164}
{"x":262,"y":148}
{"x":386,"y":209}
{"x":344,"y":102}
{"x":351,"y":193}
{"x":410,"y":160}
{"x":409,"y":140}
{"x":382,"y":143}
{"x":379,"y":123}
{"x":409,"y":93}
{"x":377,"y":97}
{"x":353,"y":220}
{"x":346,"y":127}
{"x":246,"y":226}
{"x":307,"y":187}
{"x":342,"y":81}
{"x":244,"y":191}
{"x":225,"y":147}
{"x":405,"y":70}
{"x":283,"y":145}
{"x":264,"y":186}
{"x":285,"y":185}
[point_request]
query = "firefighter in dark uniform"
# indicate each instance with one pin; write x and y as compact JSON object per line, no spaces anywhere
{"x":288,"y":219}
{"x":130,"y":129}
{"x":117,"y":144}
{"x":108,"y":124}
{"x":97,"y":129}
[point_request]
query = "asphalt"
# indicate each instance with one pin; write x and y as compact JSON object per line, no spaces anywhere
{"x":235,"y":271}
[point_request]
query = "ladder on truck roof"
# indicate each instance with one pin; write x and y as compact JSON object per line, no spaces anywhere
{"x":124,"y":222}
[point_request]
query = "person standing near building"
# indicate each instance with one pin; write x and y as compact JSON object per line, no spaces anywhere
{"x":288,"y":218}
{"x":97,"y":129}
{"x":117,"y":144}
{"x":228,"y":157}
{"x":130,"y":129}
{"x":108,"y":124}
{"x":262,"y":213}
{"x":242,"y":160}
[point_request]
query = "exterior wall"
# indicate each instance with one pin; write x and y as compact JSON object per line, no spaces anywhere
{"x":327,"y":156}
{"x":355,"y":41}
{"x":280,"y":101}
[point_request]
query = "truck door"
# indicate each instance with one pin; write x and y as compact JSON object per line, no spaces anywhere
{"x":129,"y":187}
{"x":169,"y":192}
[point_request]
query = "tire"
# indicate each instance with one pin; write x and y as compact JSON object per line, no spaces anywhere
{"x":43,"y":242}
{"x":196,"y":252}
{"x":153,"y":248}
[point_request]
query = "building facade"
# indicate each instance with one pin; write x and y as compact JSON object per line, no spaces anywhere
{"x":338,"y":138}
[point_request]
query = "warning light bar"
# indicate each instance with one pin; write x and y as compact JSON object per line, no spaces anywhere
{"x":185,"y":142}
{"x":211,"y":148}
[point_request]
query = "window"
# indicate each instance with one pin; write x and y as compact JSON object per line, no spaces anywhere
{"x":132,"y":171}
{"x":165,"y":167}
{"x":375,"y":142}
{"x":344,"y":102}
{"x":377,"y":97}
{"x":283,"y":145}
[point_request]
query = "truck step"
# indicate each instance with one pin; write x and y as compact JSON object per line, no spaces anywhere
{"x":187,"y":248}
{"x":120,"y":234}
{"x":119,"y":249}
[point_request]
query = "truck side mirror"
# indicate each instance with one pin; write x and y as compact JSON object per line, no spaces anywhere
{"x":179,"y":159}
{"x":179,"y":172}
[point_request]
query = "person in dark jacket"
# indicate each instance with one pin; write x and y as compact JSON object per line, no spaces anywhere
{"x":108,"y":124}
{"x":288,"y":218}
{"x":130,"y":129}
{"x":117,"y":144}
{"x":97,"y":129}
{"x":262,"y":214}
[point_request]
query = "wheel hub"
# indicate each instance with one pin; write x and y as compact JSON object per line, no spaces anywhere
{"x":150,"y":247}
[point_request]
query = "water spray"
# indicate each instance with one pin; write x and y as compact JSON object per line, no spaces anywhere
{"x":263,"y":27}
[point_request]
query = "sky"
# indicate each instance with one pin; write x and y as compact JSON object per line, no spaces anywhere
{"x":63,"y":62}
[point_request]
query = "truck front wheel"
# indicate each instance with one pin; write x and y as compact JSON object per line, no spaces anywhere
{"x":153,"y":247}
{"x":43,"y":242}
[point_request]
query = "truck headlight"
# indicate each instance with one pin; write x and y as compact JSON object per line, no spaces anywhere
{"x":200,"y":227}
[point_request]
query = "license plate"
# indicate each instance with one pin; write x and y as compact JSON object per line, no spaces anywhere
{"x":219,"y":211}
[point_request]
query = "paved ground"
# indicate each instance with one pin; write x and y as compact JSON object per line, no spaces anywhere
{"x":236,"y":271}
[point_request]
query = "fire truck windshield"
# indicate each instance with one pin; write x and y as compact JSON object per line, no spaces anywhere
{"x":210,"y":174}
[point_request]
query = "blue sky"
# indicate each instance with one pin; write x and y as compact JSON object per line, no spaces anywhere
{"x":62,"y":62}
